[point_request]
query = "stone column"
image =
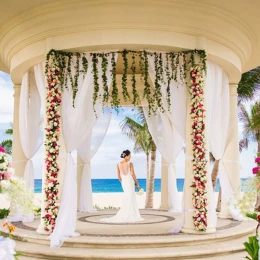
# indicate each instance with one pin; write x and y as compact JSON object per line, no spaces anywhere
{"x":231,"y":158}
{"x":164,"y":185}
{"x":80,"y":167}
{"x":18,"y":158}
{"x":188,"y":226}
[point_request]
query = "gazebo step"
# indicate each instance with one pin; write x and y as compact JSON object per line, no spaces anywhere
{"x":218,"y":249}
{"x":244,"y":229}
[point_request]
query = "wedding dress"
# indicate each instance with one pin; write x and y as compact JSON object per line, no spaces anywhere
{"x":129,"y":211}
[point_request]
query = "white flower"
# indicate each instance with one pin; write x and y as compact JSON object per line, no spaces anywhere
{"x":140,"y":192}
{"x":5,"y":184}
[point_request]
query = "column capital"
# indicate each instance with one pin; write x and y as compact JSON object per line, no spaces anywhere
{"x":233,"y":89}
{"x":17,"y":90}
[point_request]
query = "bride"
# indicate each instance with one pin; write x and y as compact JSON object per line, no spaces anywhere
{"x":129,"y":211}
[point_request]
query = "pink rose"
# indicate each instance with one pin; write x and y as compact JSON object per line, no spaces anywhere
{"x":257,"y":160}
{"x":2,"y":149}
{"x":7,"y":175}
{"x":255,"y":170}
{"x":1,"y":176}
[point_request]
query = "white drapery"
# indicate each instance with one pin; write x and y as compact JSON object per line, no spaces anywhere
{"x":7,"y":248}
{"x":168,"y":129}
{"x":169,"y":143}
{"x":86,"y":151}
{"x":218,"y":112}
{"x":30,"y":129}
{"x":77,"y":125}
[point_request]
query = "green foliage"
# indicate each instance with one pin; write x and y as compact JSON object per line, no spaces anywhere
{"x":252,"y":215}
{"x":7,"y":145}
{"x":4,"y":213}
{"x":252,"y":248}
{"x":16,"y":255}
{"x":110,"y":207}
{"x":137,"y":130}
{"x":106,"y":207}
{"x":37,"y":211}
{"x":249,"y":85}
{"x":66,"y":60}
{"x":250,"y":123}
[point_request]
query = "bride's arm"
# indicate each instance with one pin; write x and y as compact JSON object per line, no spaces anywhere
{"x":134,"y":176}
{"x":118,"y":173}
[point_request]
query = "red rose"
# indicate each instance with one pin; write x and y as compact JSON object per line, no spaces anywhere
{"x":258,"y":218}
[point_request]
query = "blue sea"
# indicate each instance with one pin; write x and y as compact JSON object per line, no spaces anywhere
{"x":113,"y":185}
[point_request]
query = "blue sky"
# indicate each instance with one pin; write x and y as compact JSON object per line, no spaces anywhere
{"x":103,"y":163}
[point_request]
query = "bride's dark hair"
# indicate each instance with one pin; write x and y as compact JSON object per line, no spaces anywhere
{"x":125,"y":153}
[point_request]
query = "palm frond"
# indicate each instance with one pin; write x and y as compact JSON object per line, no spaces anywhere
{"x":211,"y":157}
{"x":9,"y":131}
{"x":243,"y":144}
{"x":250,"y":121}
{"x":130,"y":127}
{"x":249,"y":85}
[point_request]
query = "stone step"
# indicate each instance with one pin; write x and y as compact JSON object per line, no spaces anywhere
{"x":205,"y":251}
{"x":149,"y":241}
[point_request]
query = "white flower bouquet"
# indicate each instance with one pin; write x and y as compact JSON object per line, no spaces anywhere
{"x":140,"y":192}
{"x":15,"y":188}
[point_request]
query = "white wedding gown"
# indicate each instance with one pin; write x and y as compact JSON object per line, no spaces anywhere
{"x":129,"y":211}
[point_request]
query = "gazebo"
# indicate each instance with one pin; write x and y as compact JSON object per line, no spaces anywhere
{"x":188,"y":58}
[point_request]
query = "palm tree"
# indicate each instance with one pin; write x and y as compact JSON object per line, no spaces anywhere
{"x":7,"y":144}
{"x":139,"y":133}
{"x":251,"y":131}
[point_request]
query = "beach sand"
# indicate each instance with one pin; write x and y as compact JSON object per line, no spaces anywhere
{"x":112,"y":199}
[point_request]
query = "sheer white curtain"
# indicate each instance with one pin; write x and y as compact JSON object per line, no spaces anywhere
{"x":30,"y":130}
{"x":169,"y":143}
{"x":77,"y":124}
{"x":218,"y":117}
{"x":168,"y":129}
{"x":86,"y":151}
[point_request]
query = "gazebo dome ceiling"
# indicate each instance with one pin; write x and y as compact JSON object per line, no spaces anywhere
{"x":227,"y":30}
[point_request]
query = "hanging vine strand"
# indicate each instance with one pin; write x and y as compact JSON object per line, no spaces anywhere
{"x":169,"y":67}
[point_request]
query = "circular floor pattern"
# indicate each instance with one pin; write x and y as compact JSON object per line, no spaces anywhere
{"x":86,"y":219}
{"x":23,"y":226}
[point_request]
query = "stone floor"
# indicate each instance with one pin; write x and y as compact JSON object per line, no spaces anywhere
{"x":156,"y":223}
{"x":149,"y":239}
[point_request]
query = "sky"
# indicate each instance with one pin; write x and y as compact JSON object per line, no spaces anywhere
{"x":104,"y":161}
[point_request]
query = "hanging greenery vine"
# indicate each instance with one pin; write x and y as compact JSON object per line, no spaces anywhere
{"x":165,"y":70}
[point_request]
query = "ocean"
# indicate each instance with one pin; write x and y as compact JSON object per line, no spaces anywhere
{"x":113,"y":185}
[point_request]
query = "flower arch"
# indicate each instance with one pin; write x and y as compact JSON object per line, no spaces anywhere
{"x":192,"y":71}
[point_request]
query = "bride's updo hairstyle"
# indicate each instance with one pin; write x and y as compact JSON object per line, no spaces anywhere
{"x":125,"y":153}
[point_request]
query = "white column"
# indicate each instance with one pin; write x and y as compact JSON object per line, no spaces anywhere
{"x":188,"y":225}
{"x":18,"y":157}
{"x":164,"y":185}
{"x":231,"y":158}
{"x":80,"y":165}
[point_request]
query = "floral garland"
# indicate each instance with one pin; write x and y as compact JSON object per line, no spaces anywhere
{"x":256,"y":170}
{"x":200,"y":201}
{"x":6,"y":172}
{"x":52,"y":136}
